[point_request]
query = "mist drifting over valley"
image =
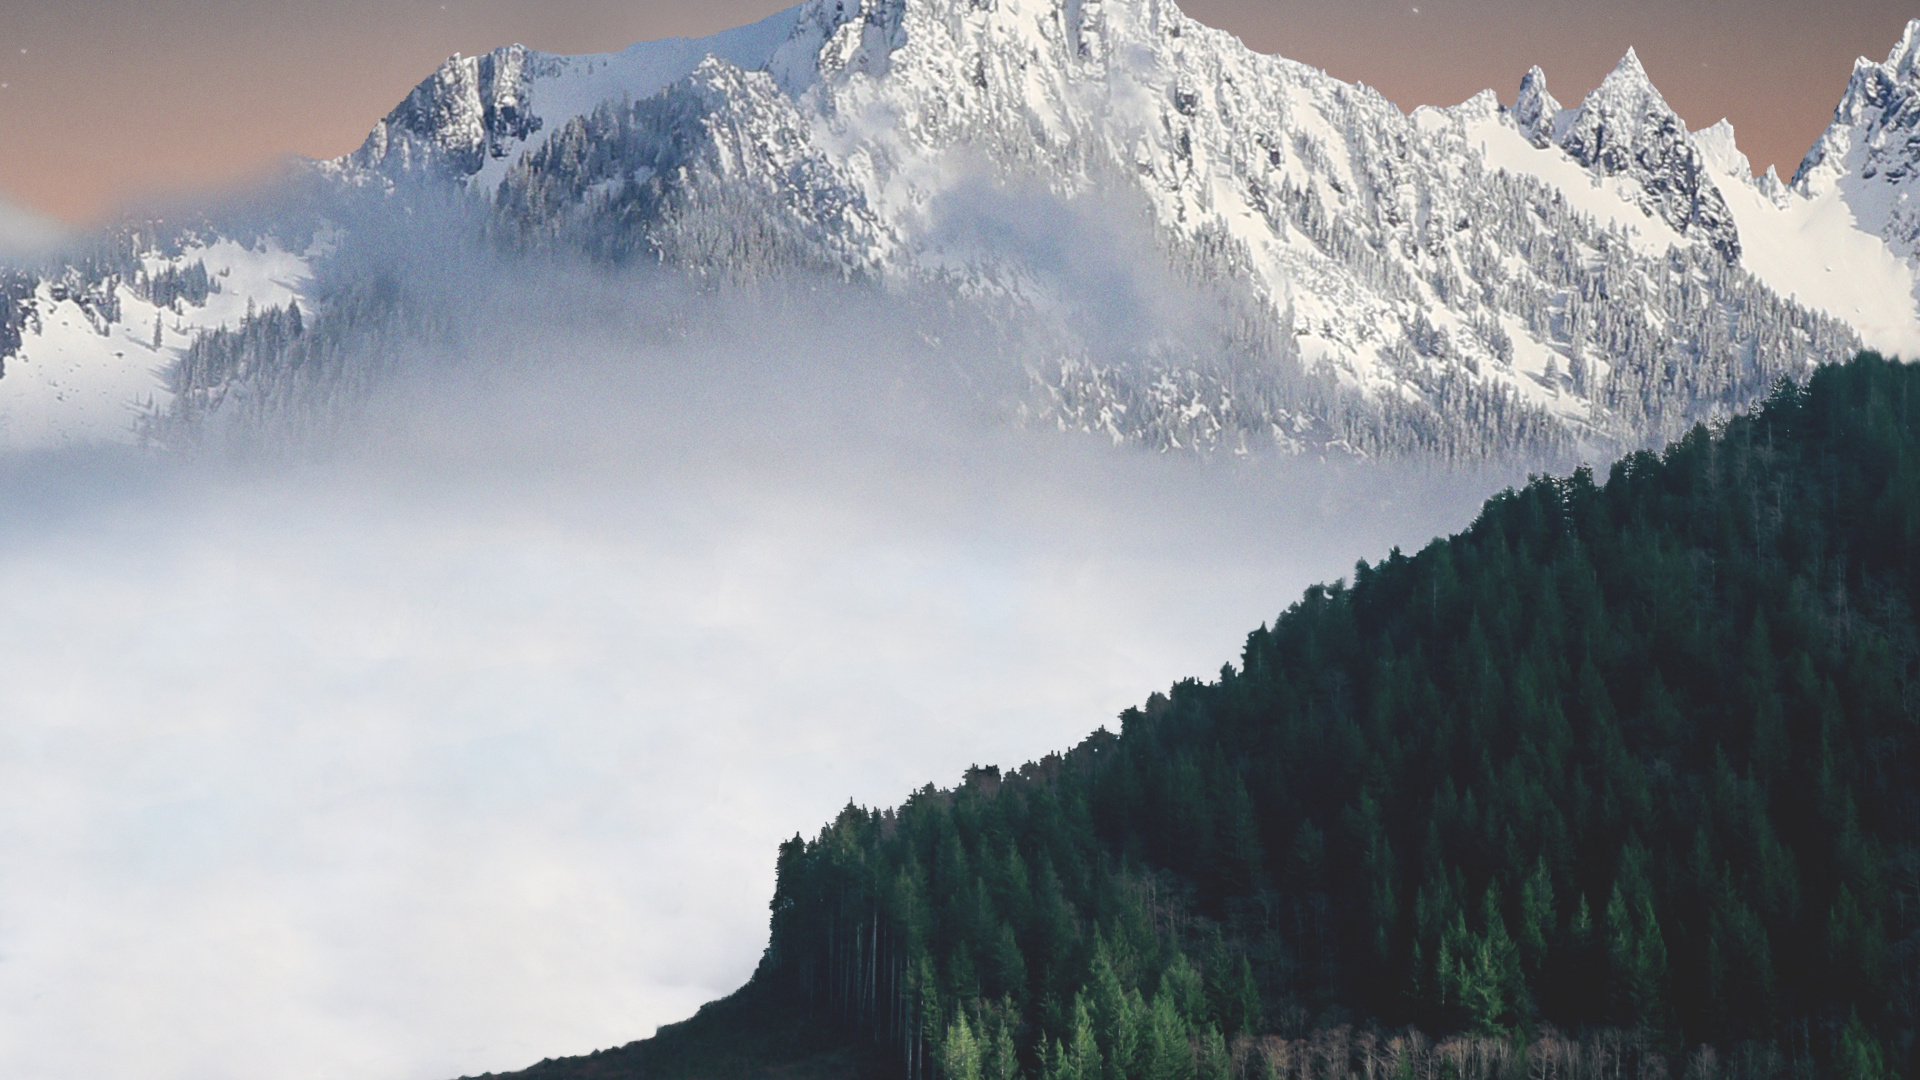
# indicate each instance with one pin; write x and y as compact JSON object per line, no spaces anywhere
{"x":459,"y":730}
{"x":434,"y":585}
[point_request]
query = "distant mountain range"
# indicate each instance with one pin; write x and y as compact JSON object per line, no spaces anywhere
{"x":1175,"y":241}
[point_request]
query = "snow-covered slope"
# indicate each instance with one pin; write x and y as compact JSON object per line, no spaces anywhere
{"x":1870,"y":155}
{"x":94,"y":357}
{"x":1629,"y":160}
{"x":1810,"y":248}
{"x":1400,"y":258}
{"x":476,"y":115}
{"x":1184,"y":243}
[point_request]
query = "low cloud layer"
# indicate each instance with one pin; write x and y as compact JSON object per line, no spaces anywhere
{"x":25,"y":234}
{"x":469,"y":741}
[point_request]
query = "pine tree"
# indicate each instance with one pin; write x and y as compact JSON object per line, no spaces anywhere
{"x":1536,"y":919}
{"x":1115,"y":1015}
{"x":1181,"y":984}
{"x":1859,"y":1056}
{"x":1166,"y":1053}
{"x":1000,"y":1059}
{"x":1212,"y":1060}
{"x":1055,"y":1064}
{"x":1637,"y":962}
{"x":1082,"y":1050}
{"x":960,"y":1051}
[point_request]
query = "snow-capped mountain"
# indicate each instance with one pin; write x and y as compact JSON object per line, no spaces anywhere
{"x":1626,"y":129}
{"x":1870,"y":155}
{"x":475,"y":115}
{"x":1298,"y":263}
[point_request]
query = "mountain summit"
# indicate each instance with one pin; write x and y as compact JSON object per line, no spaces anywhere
{"x":1625,"y":128}
{"x":1173,"y":241}
{"x":1535,"y":112}
{"x":1870,"y":154}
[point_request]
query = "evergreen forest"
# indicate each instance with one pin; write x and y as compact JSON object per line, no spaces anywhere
{"x":1624,"y":780}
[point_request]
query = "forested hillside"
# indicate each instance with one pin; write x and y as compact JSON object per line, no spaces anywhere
{"x":1623,"y":780}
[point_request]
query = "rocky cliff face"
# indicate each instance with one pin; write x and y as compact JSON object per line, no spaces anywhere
{"x":472,"y":109}
{"x":1626,"y":129}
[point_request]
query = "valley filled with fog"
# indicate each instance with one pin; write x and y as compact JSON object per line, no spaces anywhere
{"x":460,"y":731}
{"x":434,"y":580}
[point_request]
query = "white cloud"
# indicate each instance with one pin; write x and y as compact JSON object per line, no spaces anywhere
{"x":24,"y":233}
{"x":471,"y":745}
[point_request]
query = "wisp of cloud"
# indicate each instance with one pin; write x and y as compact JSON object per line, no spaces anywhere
{"x":469,"y":740}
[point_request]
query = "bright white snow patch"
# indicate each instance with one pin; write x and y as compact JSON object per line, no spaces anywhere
{"x":1605,"y":199}
{"x":78,"y":379}
{"x":1813,"y":249}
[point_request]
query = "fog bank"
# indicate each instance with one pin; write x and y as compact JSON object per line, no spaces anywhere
{"x":467,"y":739}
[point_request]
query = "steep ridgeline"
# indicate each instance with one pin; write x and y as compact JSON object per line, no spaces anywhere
{"x":1626,"y":130}
{"x":1624,"y":777}
{"x":1179,"y":242}
{"x":1367,"y":278}
{"x":1870,"y":155}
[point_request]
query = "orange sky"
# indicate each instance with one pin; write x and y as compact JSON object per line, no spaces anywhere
{"x":102,"y":101}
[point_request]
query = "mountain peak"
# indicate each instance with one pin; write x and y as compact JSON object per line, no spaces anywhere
{"x":1534,"y":110}
{"x":1625,"y":104}
{"x":465,"y":111}
{"x":1905,"y":57}
{"x":1721,"y":151}
{"x":1625,"y":128}
{"x":1870,"y":142}
{"x":1628,"y":81}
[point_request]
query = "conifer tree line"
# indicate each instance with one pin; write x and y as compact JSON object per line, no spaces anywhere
{"x":226,"y":356}
{"x":174,"y":285}
{"x":285,"y":374}
{"x":16,"y":293}
{"x":1625,"y":778}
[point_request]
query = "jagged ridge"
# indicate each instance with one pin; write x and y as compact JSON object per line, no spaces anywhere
{"x":1462,"y":281}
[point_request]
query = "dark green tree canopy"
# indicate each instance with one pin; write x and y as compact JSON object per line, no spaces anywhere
{"x":1638,"y":755}
{"x":1633,"y":762}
